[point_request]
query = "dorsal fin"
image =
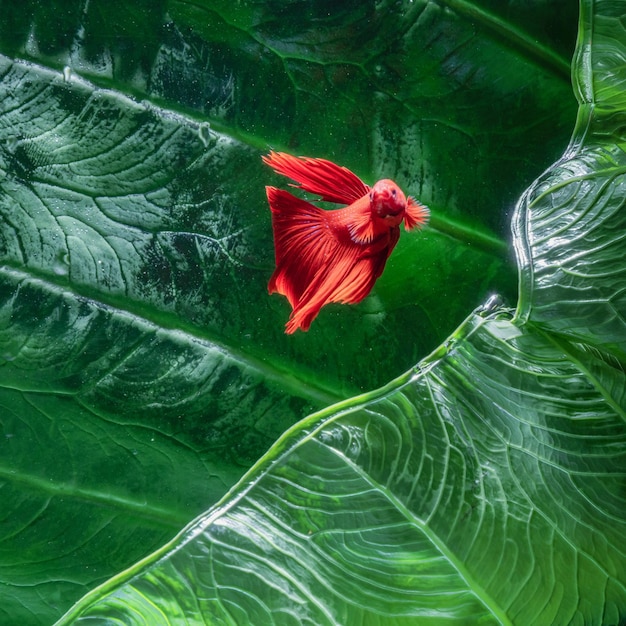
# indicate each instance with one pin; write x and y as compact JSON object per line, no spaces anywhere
{"x":332,"y":182}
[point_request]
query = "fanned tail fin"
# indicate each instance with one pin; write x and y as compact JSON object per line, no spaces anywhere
{"x":347,"y":277}
{"x":300,"y":242}
{"x":317,"y":262}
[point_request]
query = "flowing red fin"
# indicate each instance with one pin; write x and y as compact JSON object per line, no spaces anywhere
{"x":347,"y":278}
{"x":358,"y":219}
{"x":302,"y":241}
{"x":415,"y":215}
{"x":319,"y":292}
{"x":332,"y":182}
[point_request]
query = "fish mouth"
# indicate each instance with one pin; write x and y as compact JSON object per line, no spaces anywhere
{"x":385,"y":209}
{"x":392,"y":213}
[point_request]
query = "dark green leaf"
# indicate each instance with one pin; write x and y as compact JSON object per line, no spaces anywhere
{"x":486,"y":486}
{"x":143,"y":367}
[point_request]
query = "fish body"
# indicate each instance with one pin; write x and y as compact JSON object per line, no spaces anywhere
{"x":325,"y":256}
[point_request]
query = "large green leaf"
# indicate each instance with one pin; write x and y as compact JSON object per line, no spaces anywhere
{"x":488,"y":485}
{"x":434,"y":501}
{"x":143,"y":366}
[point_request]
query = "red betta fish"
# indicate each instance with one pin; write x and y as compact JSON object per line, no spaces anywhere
{"x":332,"y":256}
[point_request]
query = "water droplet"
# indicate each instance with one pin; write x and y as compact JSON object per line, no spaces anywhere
{"x":206,"y":135}
{"x":12,"y":144}
{"x":494,"y":301}
{"x":67,"y":73}
{"x":61,"y":265}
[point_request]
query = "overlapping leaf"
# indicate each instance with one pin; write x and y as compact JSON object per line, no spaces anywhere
{"x":571,"y":229}
{"x":437,"y":501}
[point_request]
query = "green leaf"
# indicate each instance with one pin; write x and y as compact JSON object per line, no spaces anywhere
{"x":433,"y":501}
{"x":571,"y":225}
{"x":143,"y":367}
{"x":488,"y":484}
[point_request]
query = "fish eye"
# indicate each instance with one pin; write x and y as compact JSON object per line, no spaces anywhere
{"x":394,"y":193}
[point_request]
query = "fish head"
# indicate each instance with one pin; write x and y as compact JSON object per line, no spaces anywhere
{"x":387,"y":202}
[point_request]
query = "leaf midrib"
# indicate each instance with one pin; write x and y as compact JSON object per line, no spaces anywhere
{"x":514,"y":37}
{"x":283,"y":376}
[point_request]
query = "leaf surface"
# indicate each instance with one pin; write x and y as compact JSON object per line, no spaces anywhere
{"x":484,"y":486}
{"x":143,"y":368}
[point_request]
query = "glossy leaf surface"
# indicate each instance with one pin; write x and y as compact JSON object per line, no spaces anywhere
{"x":143,"y":368}
{"x":484,"y":486}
